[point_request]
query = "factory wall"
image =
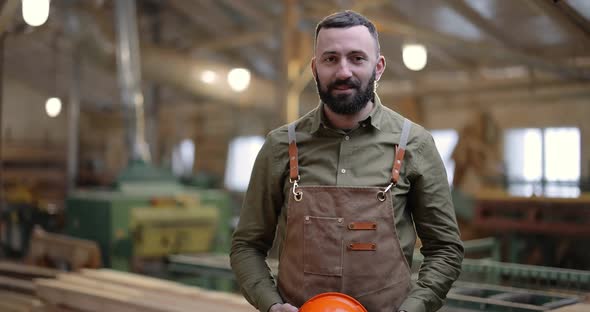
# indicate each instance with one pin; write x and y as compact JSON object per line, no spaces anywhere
{"x":522,"y":114}
{"x":212,"y":125}
{"x":24,"y":117}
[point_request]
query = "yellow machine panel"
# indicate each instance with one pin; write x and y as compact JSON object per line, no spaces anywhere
{"x":160,"y":231}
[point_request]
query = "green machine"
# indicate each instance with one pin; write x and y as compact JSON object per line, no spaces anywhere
{"x":149,"y":215}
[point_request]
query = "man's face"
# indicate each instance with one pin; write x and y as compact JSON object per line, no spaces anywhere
{"x":345,"y":67}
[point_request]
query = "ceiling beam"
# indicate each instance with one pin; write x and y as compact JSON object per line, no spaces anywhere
{"x":537,"y":94}
{"x":233,"y":41}
{"x":220,"y":30}
{"x":214,"y":15}
{"x":484,"y":25}
{"x":447,"y":59}
{"x":554,"y":12}
{"x":435,"y":50}
{"x":575,"y":16}
{"x":186,"y":7}
{"x":512,"y":91}
{"x":481,"y":50}
{"x":245,"y":8}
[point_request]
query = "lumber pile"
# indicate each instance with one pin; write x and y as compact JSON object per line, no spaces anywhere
{"x":39,"y":166}
{"x":15,"y":302}
{"x":98,"y":290}
{"x":17,"y":287}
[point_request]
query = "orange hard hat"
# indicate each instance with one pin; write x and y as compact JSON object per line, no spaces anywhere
{"x":332,"y":302}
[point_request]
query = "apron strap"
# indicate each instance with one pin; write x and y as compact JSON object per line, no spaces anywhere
{"x":293,"y":161}
{"x":400,"y":151}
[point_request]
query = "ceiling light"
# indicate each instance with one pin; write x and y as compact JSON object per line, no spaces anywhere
{"x":238,"y":79}
{"x":35,"y":12}
{"x":414,"y":56}
{"x":208,"y":76}
{"x":53,"y":107}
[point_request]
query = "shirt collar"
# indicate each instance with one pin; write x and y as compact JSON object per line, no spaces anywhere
{"x":374,"y":119}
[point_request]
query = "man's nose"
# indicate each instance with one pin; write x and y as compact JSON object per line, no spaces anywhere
{"x":344,"y":71}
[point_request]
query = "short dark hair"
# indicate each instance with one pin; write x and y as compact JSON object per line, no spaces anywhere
{"x":346,"y":19}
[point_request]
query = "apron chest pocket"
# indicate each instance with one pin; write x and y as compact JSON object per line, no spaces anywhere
{"x":323,"y":245}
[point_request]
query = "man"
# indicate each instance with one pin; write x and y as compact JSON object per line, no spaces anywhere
{"x":345,"y":189}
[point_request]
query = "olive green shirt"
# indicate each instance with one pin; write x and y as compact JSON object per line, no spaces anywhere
{"x":359,"y":157}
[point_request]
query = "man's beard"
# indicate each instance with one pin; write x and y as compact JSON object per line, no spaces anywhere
{"x":347,"y":104}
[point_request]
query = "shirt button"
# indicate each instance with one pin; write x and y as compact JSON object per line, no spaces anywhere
{"x":347,"y":138}
{"x":343,"y":171}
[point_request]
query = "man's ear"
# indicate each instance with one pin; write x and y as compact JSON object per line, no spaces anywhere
{"x":380,"y":67}
{"x":313,"y":67}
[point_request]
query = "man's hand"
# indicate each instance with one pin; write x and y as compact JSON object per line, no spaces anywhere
{"x":285,"y":307}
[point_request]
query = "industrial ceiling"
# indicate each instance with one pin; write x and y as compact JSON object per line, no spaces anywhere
{"x":473,"y":46}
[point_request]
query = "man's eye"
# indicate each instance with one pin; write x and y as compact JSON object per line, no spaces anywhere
{"x":359,"y":58}
{"x":330,"y":59}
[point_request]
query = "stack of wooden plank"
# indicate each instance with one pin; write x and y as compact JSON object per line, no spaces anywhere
{"x":107,"y":290}
{"x":37,"y":165}
{"x":17,"y":287}
{"x":91,"y":290}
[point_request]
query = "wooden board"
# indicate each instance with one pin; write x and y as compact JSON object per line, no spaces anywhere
{"x":183,"y":302}
{"x":107,"y":290}
{"x":10,"y":307}
{"x":11,"y":301}
{"x":29,"y":271}
{"x":93,"y":300}
{"x":133,"y":280}
{"x":55,"y":308}
{"x":17,"y":285}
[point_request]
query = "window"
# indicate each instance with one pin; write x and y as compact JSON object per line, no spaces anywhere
{"x":183,"y":158}
{"x":543,"y":161}
{"x":445,"y":141}
{"x":240,"y":161}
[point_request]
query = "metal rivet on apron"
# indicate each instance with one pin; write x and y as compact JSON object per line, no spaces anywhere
{"x":381,"y":196}
{"x":306,"y":218}
{"x":298,"y":196}
{"x":373,"y":246}
{"x":340,"y":220}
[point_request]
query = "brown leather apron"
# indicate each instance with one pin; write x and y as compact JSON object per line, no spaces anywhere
{"x":343,"y":239}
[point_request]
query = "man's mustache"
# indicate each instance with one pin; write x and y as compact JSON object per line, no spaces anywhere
{"x":351,"y":83}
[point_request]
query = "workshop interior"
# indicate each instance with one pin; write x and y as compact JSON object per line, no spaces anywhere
{"x":129,"y":129}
